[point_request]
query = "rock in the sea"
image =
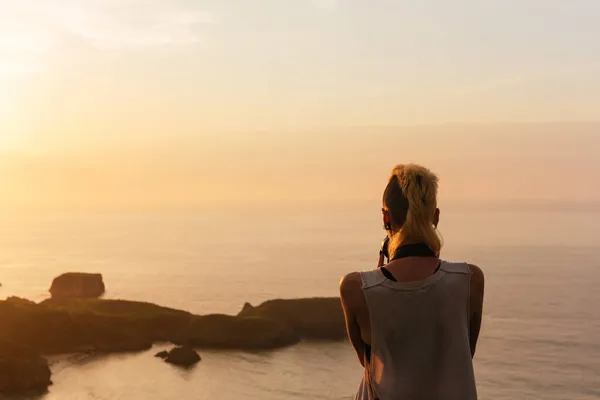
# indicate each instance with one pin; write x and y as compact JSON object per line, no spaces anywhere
{"x":312,"y":318}
{"x":183,"y":356}
{"x":67,"y":325}
{"x":243,"y":333}
{"x":247,"y":308}
{"x":162,"y":354}
{"x":71,"y":326}
{"x":106,"y":326}
{"x":19,"y":300}
{"x":77,"y":285}
{"x":22,"y":372}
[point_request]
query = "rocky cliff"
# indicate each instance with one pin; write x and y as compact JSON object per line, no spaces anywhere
{"x":93,"y":325}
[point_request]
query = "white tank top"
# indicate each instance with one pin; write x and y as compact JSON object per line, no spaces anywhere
{"x":419,"y":337}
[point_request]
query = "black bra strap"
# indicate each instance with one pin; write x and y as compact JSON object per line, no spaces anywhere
{"x":410,"y":250}
{"x":388,"y":274}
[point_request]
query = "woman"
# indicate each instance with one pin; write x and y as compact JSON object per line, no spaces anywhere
{"x":414,"y":322}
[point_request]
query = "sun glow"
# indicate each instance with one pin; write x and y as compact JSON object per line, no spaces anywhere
{"x":8,"y":140}
{"x":8,"y":121}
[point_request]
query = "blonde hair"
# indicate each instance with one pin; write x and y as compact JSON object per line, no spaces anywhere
{"x":411,"y":199}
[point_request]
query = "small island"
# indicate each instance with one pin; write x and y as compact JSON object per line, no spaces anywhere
{"x":66,"y":324}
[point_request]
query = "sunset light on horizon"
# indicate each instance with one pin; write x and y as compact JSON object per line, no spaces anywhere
{"x":105,"y":99}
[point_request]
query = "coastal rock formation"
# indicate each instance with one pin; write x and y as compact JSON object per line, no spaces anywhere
{"x":22,"y":371}
{"x":84,"y":325}
{"x":183,"y":356}
{"x":19,"y":300}
{"x":313,"y":318}
{"x":77,"y":285}
{"x":66,"y":325}
{"x":247,"y":307}
{"x":243,"y":333}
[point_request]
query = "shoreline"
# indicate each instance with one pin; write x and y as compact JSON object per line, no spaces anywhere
{"x":54,"y":327}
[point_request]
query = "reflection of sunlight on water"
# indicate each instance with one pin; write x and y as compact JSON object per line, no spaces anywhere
{"x":540,"y":325}
{"x":314,"y":370}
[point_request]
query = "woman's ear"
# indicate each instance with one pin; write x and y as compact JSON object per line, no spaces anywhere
{"x":436,"y":217}
{"x":387,"y":220}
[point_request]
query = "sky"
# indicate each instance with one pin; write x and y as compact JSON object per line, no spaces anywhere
{"x":181,"y":101}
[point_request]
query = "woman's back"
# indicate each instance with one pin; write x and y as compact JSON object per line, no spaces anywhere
{"x":419,"y":334}
{"x":414,"y":323}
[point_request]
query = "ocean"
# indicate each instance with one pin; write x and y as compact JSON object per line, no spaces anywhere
{"x":541,"y":329}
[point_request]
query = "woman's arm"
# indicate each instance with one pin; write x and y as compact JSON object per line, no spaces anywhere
{"x":351,"y":294}
{"x":475,"y":305}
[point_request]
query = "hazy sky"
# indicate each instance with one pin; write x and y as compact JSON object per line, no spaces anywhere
{"x":541,"y":164}
{"x":193,"y":95}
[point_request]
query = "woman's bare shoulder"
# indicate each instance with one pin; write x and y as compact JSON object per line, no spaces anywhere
{"x":476,"y":273}
{"x":350,"y":283}
{"x":477,"y":278}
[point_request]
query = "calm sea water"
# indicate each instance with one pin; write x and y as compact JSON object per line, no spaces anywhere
{"x":541,"y":330}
